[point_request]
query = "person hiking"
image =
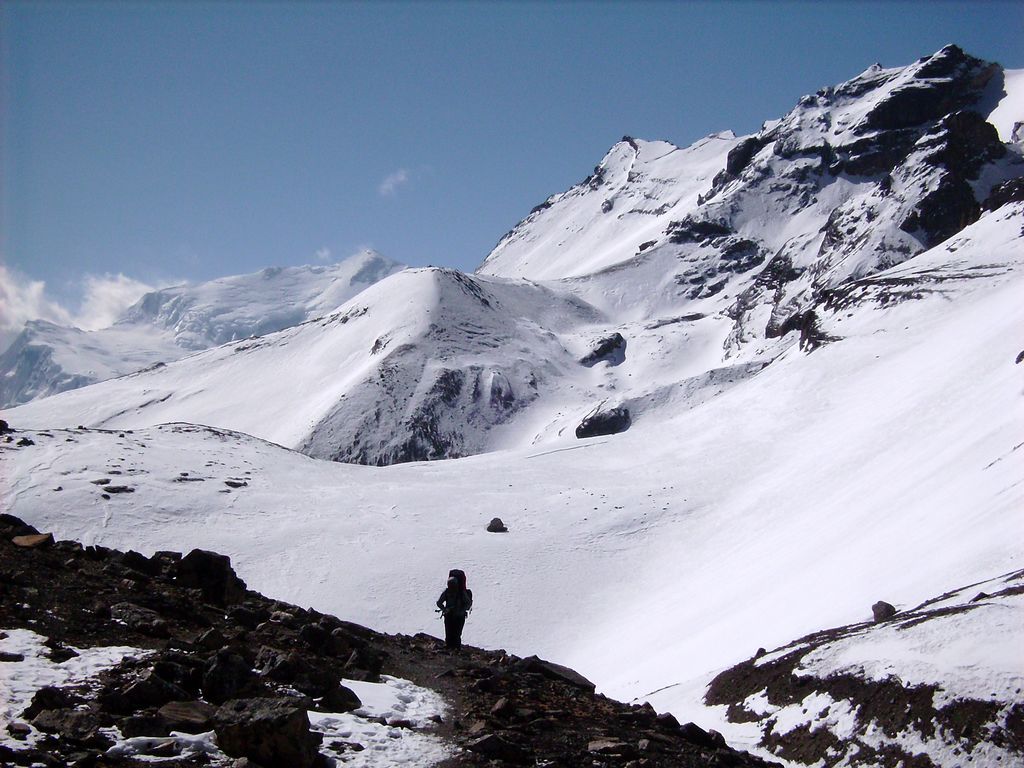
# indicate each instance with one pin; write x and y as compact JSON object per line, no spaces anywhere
{"x":455,"y":603}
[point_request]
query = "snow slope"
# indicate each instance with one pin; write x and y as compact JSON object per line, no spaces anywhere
{"x":879,"y":466}
{"x":168,"y":324}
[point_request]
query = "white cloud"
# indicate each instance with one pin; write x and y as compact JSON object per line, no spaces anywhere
{"x":323,"y":254}
{"x":389,"y":186}
{"x":23,"y":299}
{"x":104,"y":298}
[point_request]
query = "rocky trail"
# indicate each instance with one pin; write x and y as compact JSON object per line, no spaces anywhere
{"x":201,"y":671}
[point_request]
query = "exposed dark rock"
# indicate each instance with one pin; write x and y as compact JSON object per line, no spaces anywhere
{"x":609,"y":422}
{"x":33,"y":540}
{"x":696,"y":231}
{"x":149,"y":690}
{"x":272,"y":732}
{"x":213,"y":639}
{"x":875,"y":154}
{"x":882,"y":611}
{"x":943,"y":212}
{"x":247,"y":617}
{"x":140,"y":619}
{"x":494,"y":747}
{"x":555,"y":672}
{"x":739,"y":157}
{"x":496,"y":526}
{"x":611,"y":348}
{"x":1011,"y":191}
{"x":949,"y":82}
{"x":611,"y":747}
{"x":811,"y":334}
{"x":341,"y":699}
{"x":18,"y":730}
{"x":76,"y":725}
{"x":187,"y":716}
{"x":694,"y":734}
{"x":50,"y":697}
{"x":962,"y":143}
{"x":213,"y":574}
{"x":139,"y":563}
{"x":741,"y":255}
{"x":227,"y":676}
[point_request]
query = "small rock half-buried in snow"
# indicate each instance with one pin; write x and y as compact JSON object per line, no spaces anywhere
{"x":372,"y":736}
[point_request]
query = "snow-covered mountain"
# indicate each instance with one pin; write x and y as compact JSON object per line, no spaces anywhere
{"x":664,"y":278}
{"x":168,"y":324}
{"x":801,"y":348}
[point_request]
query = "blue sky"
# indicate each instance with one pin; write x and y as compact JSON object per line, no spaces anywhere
{"x":157,"y":141}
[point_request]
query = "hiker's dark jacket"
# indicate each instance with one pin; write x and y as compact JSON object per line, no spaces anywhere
{"x":455,"y":602}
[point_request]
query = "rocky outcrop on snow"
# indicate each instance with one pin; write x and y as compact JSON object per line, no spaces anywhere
{"x":834,"y":698}
{"x":251,"y":678}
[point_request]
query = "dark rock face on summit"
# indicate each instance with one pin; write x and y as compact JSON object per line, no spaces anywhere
{"x":253,"y":672}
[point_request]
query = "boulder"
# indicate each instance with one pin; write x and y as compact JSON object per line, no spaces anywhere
{"x":271,"y":732}
{"x":611,"y":348}
{"x":142,"y":724}
{"x":611,"y":747}
{"x":33,"y":540}
{"x":609,"y":422}
{"x":496,"y":526}
{"x":694,"y":734}
{"x":554,"y":671}
{"x":227,"y":676}
{"x":213,"y":575}
{"x":494,"y":747}
{"x":79,"y":725}
{"x":883,"y":611}
{"x":49,"y":697}
{"x":340,"y":699}
{"x":187,"y":716}
{"x":140,"y":619}
{"x":148,"y":690}
{"x":211,"y":640}
{"x":247,"y":617}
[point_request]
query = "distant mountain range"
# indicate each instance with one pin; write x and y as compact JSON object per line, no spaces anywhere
{"x":169,"y":324}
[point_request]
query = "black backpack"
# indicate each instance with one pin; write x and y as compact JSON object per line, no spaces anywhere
{"x":460,"y":576}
